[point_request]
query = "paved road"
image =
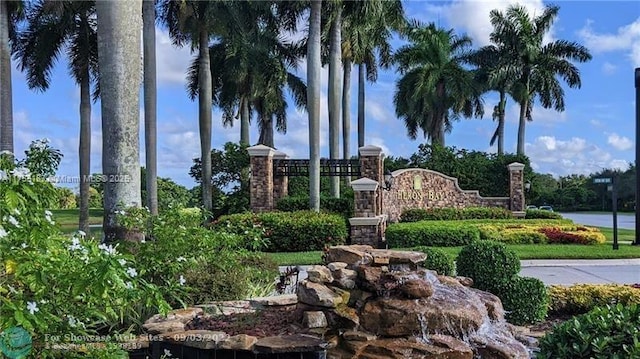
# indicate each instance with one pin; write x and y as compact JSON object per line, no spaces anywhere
{"x":626,"y":220}
{"x":568,"y":272}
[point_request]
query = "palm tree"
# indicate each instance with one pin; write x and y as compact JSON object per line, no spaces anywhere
{"x":150,"y":103}
{"x":120,"y":23}
{"x":51,"y":27}
{"x":367,"y":31}
{"x":314,"y":65}
{"x":435,"y":88}
{"x":192,"y":21}
{"x":334,"y":91}
{"x":11,"y":12}
{"x":535,"y":66}
{"x":489,"y":60}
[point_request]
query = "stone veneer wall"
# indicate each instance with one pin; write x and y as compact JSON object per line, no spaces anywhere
{"x":516,"y":186}
{"x":280,"y":183}
{"x":261,"y":183}
{"x":437,"y":191}
{"x":369,"y":235}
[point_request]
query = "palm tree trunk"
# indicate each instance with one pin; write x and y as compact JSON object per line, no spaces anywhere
{"x":150,"y":103}
{"x":204,"y":115}
{"x":335,"y":92}
{"x":361,"y":83}
{"x":346,"y":110}
{"x":244,"y":121}
{"x":522,"y":121}
{"x":501,"y":119}
{"x":84,"y":150}
{"x":314,"y":66}
{"x":440,"y":116}
{"x":120,"y":24}
{"x":6,"y":100}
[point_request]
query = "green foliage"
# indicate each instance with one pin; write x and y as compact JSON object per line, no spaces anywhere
{"x":41,"y":159}
{"x":65,"y":199}
{"x":95,"y":198}
{"x":437,"y":234}
{"x":299,"y":187}
{"x":50,"y":283}
{"x":610,"y":332}
{"x":581,"y":298}
{"x":475,"y":170}
{"x":285,"y":231}
{"x":170,"y":194}
{"x":488,"y":263}
{"x":342,"y":206}
{"x":191,"y":263}
{"x":541,"y":214}
{"x":437,"y":260}
{"x":421,"y":214}
{"x":524,"y":299}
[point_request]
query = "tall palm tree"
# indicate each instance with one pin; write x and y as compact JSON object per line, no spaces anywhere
{"x":119,"y":26}
{"x":192,"y":21}
{"x":150,"y":103}
{"x":314,"y":65}
{"x":11,"y":12}
{"x":435,"y":88}
{"x":51,"y":27}
{"x":534,"y":65}
{"x":490,"y":59}
{"x":367,"y":30}
{"x":334,"y":91}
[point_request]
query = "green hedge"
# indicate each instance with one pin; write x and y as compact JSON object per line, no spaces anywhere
{"x":435,"y":234}
{"x":286,"y":231}
{"x":437,"y":260}
{"x":524,"y":299}
{"x":603,"y":333}
{"x":342,"y":206}
{"x":488,"y":263}
{"x":541,"y":214}
{"x":443,"y":214}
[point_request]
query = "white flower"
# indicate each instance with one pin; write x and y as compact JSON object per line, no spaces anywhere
{"x":5,"y":152}
{"x":3,"y":176}
{"x":13,"y":221}
{"x":43,"y":301}
{"x":82,"y":234}
{"x":50,"y":220}
{"x":23,"y":245}
{"x":181,"y":259}
{"x":128,"y":285}
{"x":109,"y":249}
{"x":167,"y":353}
{"x":122,"y":261}
{"x":132,"y":272}
{"x":73,"y":322}
{"x":75,"y":245}
{"x":48,"y":213}
{"x":16,"y":211}
{"x":3,"y":233}
{"x":32,"y":307}
{"x":143,"y":240}
{"x":182,"y":280}
{"x":21,"y":172}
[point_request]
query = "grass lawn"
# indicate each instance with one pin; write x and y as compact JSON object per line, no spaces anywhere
{"x":68,"y":219}
{"x":627,"y":235}
{"x":524,"y":251}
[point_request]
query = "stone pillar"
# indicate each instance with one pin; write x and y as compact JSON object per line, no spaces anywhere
{"x":516,"y":188}
{"x":372,"y":167}
{"x":365,"y":227}
{"x":261,"y":183}
{"x":280,"y":182}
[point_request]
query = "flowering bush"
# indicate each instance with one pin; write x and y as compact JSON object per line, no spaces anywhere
{"x":51,"y":284}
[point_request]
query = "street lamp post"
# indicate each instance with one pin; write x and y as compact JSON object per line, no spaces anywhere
{"x":637,"y":85}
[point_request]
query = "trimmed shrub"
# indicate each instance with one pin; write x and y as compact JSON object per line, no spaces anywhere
{"x":342,"y":206}
{"x":488,"y":263}
{"x":437,"y":260}
{"x":581,"y":298}
{"x":524,"y":299}
{"x":436,"y":234}
{"x":541,"y":214}
{"x":603,"y":333}
{"x":442,"y":214}
{"x":585,"y":236}
{"x":285,"y":231}
{"x":538,"y":231}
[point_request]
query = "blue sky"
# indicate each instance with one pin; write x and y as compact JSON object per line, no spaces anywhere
{"x":596,"y":130}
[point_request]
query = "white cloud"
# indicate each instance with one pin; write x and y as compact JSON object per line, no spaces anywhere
{"x":596,"y":123}
{"x":376,"y":111}
{"x":473,"y":16}
{"x":620,"y":143}
{"x":559,"y":157}
{"x":171,"y":62}
{"x":609,"y":68}
{"x":541,"y":116}
{"x":626,"y":39}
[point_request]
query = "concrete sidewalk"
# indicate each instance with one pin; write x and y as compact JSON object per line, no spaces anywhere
{"x":568,"y":272}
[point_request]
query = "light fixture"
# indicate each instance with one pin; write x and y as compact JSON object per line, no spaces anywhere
{"x":388,"y":180}
{"x":527,"y":186}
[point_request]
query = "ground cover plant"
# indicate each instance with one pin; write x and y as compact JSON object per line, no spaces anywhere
{"x":581,"y":298}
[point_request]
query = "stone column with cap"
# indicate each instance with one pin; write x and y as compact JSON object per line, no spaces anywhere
{"x":516,"y":189}
{"x":280,"y":181}
{"x":261,"y":183}
{"x":365,"y":225}
{"x":372,"y":166}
